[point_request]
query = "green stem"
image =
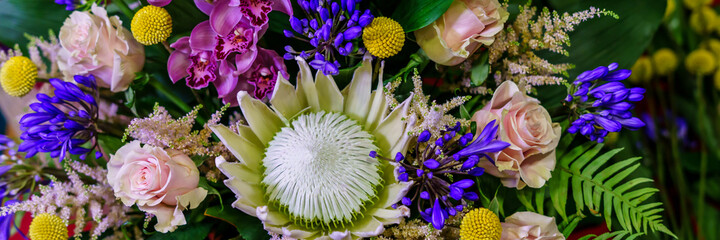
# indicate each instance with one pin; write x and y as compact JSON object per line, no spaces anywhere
{"x":703,"y":152}
{"x":124,"y":8}
{"x":656,"y":91}
{"x":163,"y":89}
{"x":679,"y":175}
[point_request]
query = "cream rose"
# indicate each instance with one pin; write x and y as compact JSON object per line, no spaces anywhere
{"x":461,"y":30}
{"x":161,"y":182}
{"x":532,"y":135}
{"x":93,"y":43}
{"x":530,"y":226}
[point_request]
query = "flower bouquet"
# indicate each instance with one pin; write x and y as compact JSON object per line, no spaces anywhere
{"x":324,"y":119}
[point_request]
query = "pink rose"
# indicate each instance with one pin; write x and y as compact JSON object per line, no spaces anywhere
{"x":160,"y":182}
{"x":530,"y":226}
{"x":532,"y":135}
{"x":464,"y":27}
{"x":93,"y":43}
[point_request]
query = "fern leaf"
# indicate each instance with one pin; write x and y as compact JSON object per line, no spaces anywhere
{"x":604,"y":189}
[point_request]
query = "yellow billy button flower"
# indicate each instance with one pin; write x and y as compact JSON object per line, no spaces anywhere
{"x":700,"y":62}
{"x":48,"y":227}
{"x":384,"y":37}
{"x":18,"y":75}
{"x":151,"y":25}
{"x":642,"y":70}
{"x":703,"y":20}
{"x":480,"y":224}
{"x":665,"y":61}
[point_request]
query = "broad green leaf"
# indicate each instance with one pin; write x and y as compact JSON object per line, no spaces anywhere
{"x":599,"y":42}
{"x":480,"y":71}
{"x":186,"y":232}
{"x":248,"y":226}
{"x":416,"y":14}
{"x":464,"y":112}
{"x":34,"y":17}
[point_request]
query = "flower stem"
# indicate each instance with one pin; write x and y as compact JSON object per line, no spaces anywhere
{"x":703,"y":152}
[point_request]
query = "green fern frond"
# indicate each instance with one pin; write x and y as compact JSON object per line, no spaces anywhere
{"x":617,"y":235}
{"x":607,"y":191}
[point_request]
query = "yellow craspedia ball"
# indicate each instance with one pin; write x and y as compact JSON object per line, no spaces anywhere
{"x":151,"y":25}
{"x":703,"y":20}
{"x":669,"y":8}
{"x":383,"y":37}
{"x":693,"y":4}
{"x":480,"y":224}
{"x":47,"y":226}
{"x":665,"y":61}
{"x":642,"y":70}
{"x":701,"y":62}
{"x":18,"y":76}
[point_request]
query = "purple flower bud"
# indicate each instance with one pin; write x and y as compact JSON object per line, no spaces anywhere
{"x":288,"y":56}
{"x":296,"y":24}
{"x":465,"y":183}
{"x":451,"y":211}
{"x":365,"y":19}
{"x":406,"y":201}
{"x":425,"y":195}
{"x":569,"y":98}
{"x":618,"y":75}
{"x":456,"y":193}
{"x":476,"y":172}
{"x":314,"y":4}
{"x":350,"y":5}
{"x":373,"y":154}
{"x":353,"y":32}
{"x":401,"y":169}
{"x":399,"y":157}
{"x":403,"y":177}
{"x":612,"y":66}
{"x":439,"y":142}
{"x":470,"y":162}
{"x":314,"y":42}
{"x":631,"y":123}
{"x":419,"y":172}
{"x":288,"y":33}
{"x":424,"y":136}
{"x":471,"y":196}
{"x":338,"y":40}
{"x":335,"y":8}
{"x":314,"y":24}
{"x":438,"y":214}
{"x":430,"y":175}
{"x":431,"y":163}
{"x":324,"y":14}
{"x":348,"y":48}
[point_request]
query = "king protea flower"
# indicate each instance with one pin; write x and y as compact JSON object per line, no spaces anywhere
{"x":305,"y":169}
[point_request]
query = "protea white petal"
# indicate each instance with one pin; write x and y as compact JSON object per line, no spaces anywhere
{"x":393,"y":193}
{"x":368,"y":227}
{"x":284,"y":99}
{"x":392,"y":128}
{"x":358,"y":95}
{"x":295,"y":232}
{"x":306,"y":86}
{"x":261,"y":119}
{"x":390,"y":216}
{"x":378,"y":109}
{"x":331,"y":100}
{"x":338,"y":235}
{"x":241,"y":148}
{"x":271,"y":217}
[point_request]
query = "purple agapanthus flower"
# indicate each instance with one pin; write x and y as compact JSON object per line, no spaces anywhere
{"x":331,"y":27}
{"x":603,"y":103}
{"x":445,"y":158}
{"x":63,"y":123}
{"x":72,"y":5}
{"x":222,"y":49}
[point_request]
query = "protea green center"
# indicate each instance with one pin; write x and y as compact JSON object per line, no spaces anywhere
{"x":305,"y":169}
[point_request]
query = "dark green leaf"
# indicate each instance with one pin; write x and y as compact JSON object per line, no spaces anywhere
{"x":110,"y":144}
{"x":203,"y":183}
{"x":34,"y":17}
{"x":599,"y":42}
{"x":464,"y":112}
{"x":248,"y":226}
{"x":186,"y":232}
{"x":480,"y":70}
{"x":416,"y":14}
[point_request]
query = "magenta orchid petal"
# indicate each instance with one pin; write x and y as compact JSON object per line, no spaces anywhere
{"x":243,"y":62}
{"x":256,"y":10}
{"x":159,"y":3}
{"x":283,"y":6}
{"x":202,"y":70}
{"x":237,"y":41}
{"x":204,"y":6}
{"x":223,"y":18}
{"x":177,"y":65}
{"x":202,"y":37}
{"x":182,"y":45}
{"x":227,"y":80}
